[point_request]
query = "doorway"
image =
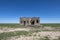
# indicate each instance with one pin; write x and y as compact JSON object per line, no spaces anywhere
{"x":24,"y":23}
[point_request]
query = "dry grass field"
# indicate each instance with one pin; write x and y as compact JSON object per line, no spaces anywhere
{"x":18,"y":32}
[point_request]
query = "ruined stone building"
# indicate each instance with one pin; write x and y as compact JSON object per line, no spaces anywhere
{"x":29,"y":21}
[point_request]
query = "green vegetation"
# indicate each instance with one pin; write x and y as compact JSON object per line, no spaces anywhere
{"x":46,"y":38}
{"x":19,"y":26}
{"x":58,"y":38}
{"x":11,"y":25}
{"x":10,"y":34}
{"x":5,"y":35}
{"x":52,"y":25}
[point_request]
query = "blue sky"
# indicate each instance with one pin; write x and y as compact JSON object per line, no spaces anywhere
{"x":47,"y":10}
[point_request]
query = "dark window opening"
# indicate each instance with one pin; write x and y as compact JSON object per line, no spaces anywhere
{"x":37,"y":21}
{"x":32,"y":22}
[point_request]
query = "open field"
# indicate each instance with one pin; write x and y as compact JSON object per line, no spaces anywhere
{"x":52,"y":24}
{"x":19,"y":26}
{"x":18,"y":32}
{"x":10,"y":25}
{"x":30,"y":35}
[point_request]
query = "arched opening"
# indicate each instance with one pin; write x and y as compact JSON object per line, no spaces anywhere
{"x":37,"y":21}
{"x":32,"y":22}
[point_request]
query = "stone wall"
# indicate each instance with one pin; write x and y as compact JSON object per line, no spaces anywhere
{"x":29,"y":21}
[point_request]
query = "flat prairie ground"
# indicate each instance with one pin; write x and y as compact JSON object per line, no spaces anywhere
{"x":18,"y":32}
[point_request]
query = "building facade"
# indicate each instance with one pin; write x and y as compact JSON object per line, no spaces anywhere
{"x":30,"y":21}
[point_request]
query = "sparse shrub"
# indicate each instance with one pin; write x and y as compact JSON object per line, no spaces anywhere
{"x":58,"y":38}
{"x":46,"y":38}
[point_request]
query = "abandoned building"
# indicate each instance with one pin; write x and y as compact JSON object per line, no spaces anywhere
{"x":30,"y":21}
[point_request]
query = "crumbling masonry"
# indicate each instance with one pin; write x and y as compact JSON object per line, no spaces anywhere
{"x":30,"y":21}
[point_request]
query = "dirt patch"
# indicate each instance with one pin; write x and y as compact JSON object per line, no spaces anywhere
{"x":13,"y":29}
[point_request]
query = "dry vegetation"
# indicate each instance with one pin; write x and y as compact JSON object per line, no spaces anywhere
{"x":17,"y":32}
